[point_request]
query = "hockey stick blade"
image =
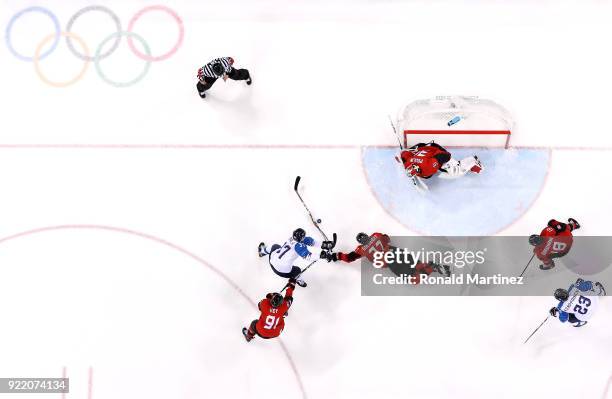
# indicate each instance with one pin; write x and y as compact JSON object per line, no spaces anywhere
{"x":419,"y":185}
{"x":297,"y":182}
{"x":334,"y":240}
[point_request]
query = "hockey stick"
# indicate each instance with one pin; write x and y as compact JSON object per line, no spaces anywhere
{"x":302,"y":272}
{"x":418,"y":183}
{"x":295,"y":188}
{"x":534,"y":331}
{"x":528,"y":263}
{"x":395,"y":132}
{"x":334,"y":240}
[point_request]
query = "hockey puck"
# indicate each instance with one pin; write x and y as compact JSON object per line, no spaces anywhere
{"x":318,"y":220}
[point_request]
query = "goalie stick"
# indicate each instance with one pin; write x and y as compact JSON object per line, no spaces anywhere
{"x":395,"y":132}
{"x":418,"y":183}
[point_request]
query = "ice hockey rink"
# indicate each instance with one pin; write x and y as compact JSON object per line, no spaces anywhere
{"x":130,"y":216}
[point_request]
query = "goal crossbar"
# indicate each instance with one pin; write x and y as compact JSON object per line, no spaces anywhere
{"x":457,"y":132}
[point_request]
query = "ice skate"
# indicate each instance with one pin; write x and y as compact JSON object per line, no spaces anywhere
{"x":262,"y":250}
{"x":548,"y":266}
{"x":246,"y":335}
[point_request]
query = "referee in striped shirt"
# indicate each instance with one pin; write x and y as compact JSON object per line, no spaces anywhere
{"x":220,"y":68}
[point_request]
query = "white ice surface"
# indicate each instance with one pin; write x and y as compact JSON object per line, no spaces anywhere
{"x":126,"y":286}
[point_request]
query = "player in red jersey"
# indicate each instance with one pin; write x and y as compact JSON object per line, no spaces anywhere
{"x":423,"y":160}
{"x":369,"y":245}
{"x":274,"y":308}
{"x":554,"y":241}
{"x":379,"y":242}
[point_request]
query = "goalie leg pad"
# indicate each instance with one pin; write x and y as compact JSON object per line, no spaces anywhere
{"x":455,"y":169}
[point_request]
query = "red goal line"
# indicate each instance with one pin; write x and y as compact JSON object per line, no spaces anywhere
{"x":458,"y":132}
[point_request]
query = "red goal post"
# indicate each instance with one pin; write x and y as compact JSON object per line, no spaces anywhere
{"x":478,"y":122}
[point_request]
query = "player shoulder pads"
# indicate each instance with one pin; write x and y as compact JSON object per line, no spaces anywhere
{"x":584,"y":286}
{"x":308,"y":241}
{"x":302,"y":249}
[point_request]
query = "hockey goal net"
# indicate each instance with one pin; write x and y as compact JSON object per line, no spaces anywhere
{"x":456,"y":121}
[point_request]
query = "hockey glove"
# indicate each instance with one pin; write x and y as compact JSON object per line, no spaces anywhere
{"x":553,"y":312}
{"x":327,"y":245}
{"x":573,"y":223}
{"x":535,"y":240}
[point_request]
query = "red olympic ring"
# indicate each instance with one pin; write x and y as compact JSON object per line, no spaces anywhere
{"x":162,"y":57}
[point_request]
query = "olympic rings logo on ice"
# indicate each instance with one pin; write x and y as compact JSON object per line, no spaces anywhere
{"x":84,"y":54}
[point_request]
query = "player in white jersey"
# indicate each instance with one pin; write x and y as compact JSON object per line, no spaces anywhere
{"x":578,"y":303}
{"x":283,"y":258}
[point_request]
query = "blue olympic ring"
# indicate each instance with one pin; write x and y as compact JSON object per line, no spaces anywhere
{"x":17,"y":16}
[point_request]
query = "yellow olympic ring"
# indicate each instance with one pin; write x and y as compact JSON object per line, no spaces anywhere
{"x":38,"y":52}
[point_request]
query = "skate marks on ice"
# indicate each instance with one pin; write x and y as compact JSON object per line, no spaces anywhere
{"x":137,"y":312}
{"x":472,"y":205}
